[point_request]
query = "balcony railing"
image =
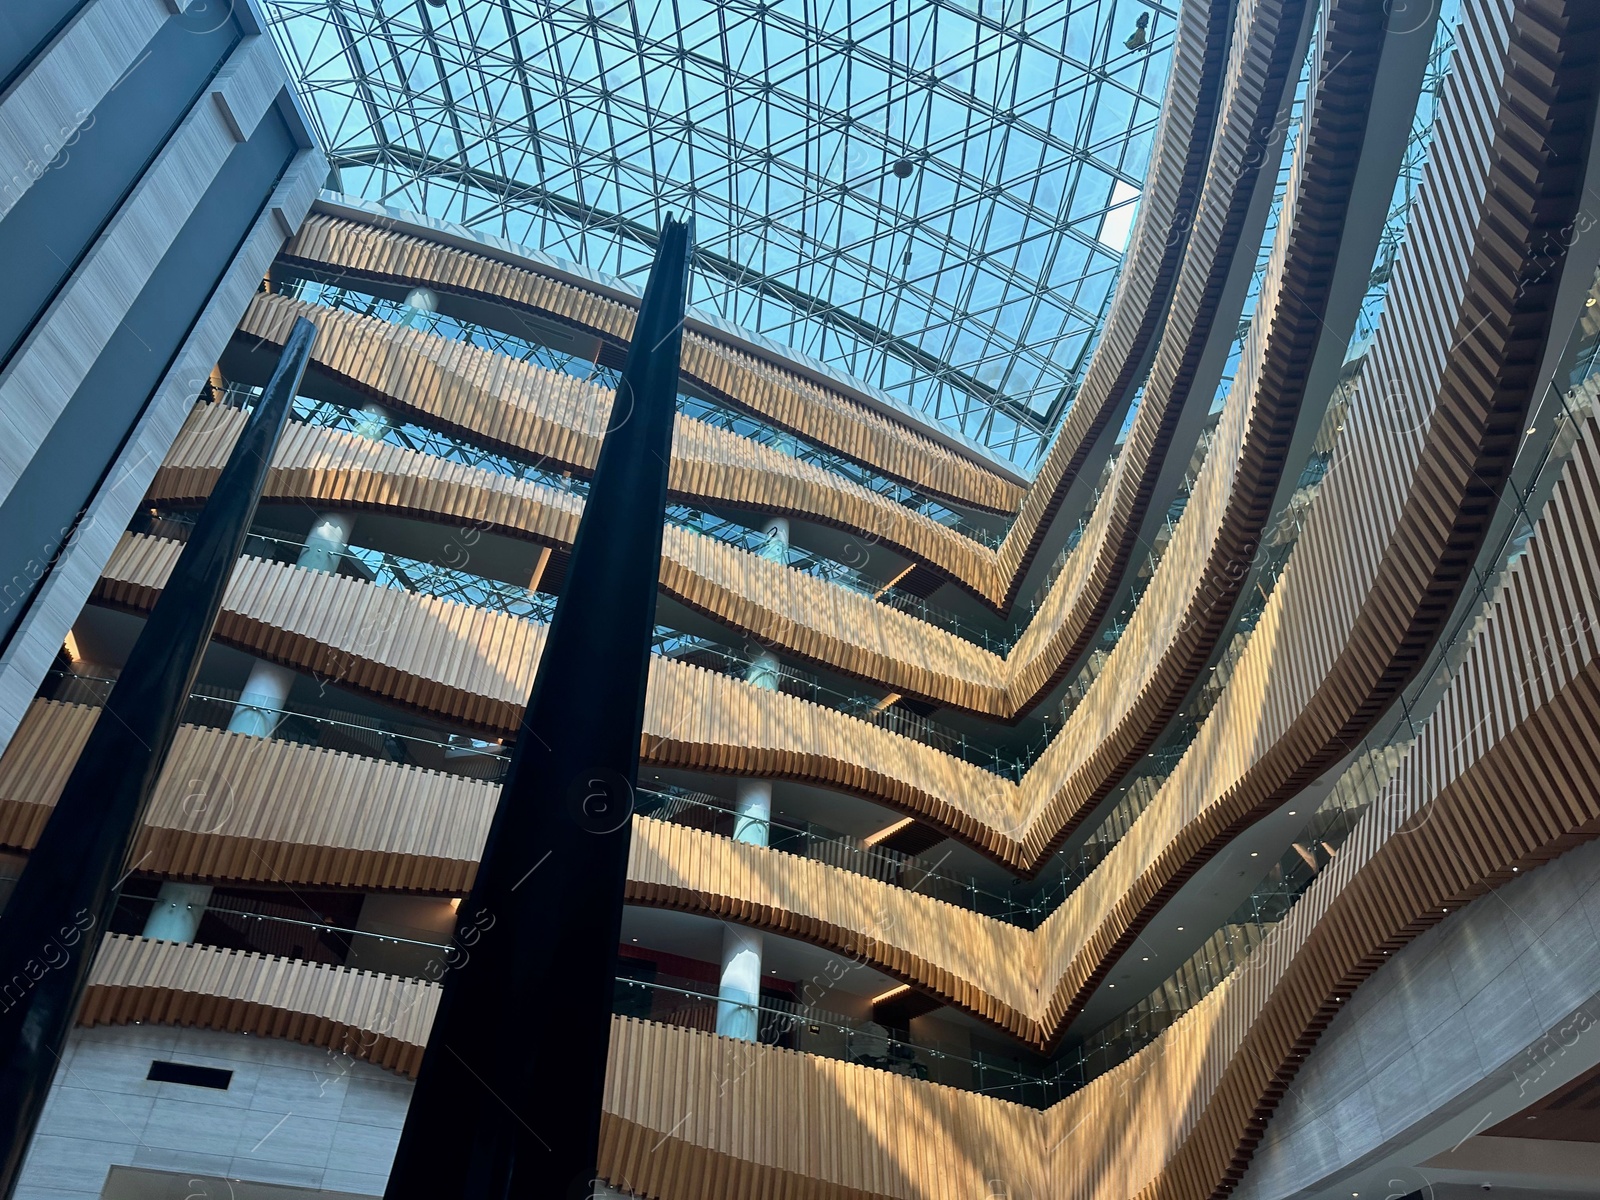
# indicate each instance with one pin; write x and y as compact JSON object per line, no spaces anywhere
{"x":699,"y":408}
{"x":290,"y":929}
{"x":398,"y":571}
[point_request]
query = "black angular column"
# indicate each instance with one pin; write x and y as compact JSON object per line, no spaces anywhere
{"x":64,"y":900}
{"x":508,"y":1098}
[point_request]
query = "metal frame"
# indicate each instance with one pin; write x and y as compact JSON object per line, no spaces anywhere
{"x":576,"y":128}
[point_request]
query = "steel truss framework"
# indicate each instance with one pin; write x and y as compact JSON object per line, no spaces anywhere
{"x":932,"y":195}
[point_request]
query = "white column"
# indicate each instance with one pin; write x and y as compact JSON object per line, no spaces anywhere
{"x":740,"y":990}
{"x":420,"y":303}
{"x":741,"y":948}
{"x":374,"y":423}
{"x":777,"y":545}
{"x":763,"y":672}
{"x":260,"y":705}
{"x":177,"y":912}
{"x":327,"y":542}
{"x":753,"y":803}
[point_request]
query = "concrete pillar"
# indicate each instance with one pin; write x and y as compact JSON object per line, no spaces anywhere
{"x":177,"y":912}
{"x":739,"y":993}
{"x":777,"y":546}
{"x":754,"y":806}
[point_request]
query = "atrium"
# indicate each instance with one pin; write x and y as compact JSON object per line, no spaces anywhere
{"x":1117,"y":629}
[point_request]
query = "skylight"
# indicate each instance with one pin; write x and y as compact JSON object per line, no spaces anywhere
{"x":932,"y":196}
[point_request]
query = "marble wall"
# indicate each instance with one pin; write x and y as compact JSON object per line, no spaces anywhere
{"x":292,"y":1115}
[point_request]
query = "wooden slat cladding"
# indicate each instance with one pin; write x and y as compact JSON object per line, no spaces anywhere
{"x":236,"y":808}
{"x":1186,"y":609}
{"x":915,"y":657}
{"x":377,"y":1018}
{"x":785,"y":399}
{"x":1268,"y":35}
{"x":1505,"y":774}
{"x":652,"y":1069}
{"x":1404,"y":509}
{"x":690,"y":1115}
{"x":532,"y":410}
{"x":1144,"y":287}
{"x":476,"y":666}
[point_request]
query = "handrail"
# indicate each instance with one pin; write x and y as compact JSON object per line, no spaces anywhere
{"x":385,"y":569}
{"x":668,"y":1000}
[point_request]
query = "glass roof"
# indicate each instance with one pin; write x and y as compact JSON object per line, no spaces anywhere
{"x":931,"y":195}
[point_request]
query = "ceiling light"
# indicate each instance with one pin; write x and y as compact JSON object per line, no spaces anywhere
{"x":903,"y":167}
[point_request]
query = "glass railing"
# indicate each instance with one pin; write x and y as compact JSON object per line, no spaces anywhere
{"x":384,"y":738}
{"x":408,"y":435}
{"x":811,"y":1030}
{"x":863,"y":705}
{"x":808,"y":562}
{"x":394,"y":312}
{"x":806,"y":839}
{"x":436,"y":444}
{"x":698,"y":408}
{"x":1552,"y":433}
{"x":720,"y":416}
{"x":1250,"y":924}
{"x":397,"y":571}
{"x":410,"y":744}
{"x":289,"y":929}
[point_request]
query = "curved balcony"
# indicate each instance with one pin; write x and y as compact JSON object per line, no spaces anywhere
{"x":228,"y":804}
{"x":531,"y":410}
{"x":732,"y":373}
{"x":1193,"y":1102}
